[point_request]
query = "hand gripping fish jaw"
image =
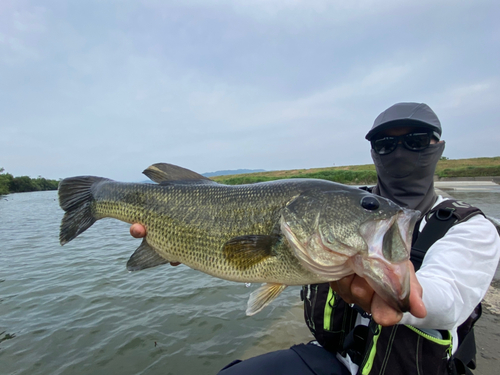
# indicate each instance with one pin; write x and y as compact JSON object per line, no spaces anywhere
{"x":372,"y":242}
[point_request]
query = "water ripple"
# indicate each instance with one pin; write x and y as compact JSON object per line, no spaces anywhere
{"x":77,"y":310}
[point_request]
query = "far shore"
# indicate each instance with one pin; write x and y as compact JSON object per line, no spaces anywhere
{"x":463,"y":183}
{"x":461,"y":180}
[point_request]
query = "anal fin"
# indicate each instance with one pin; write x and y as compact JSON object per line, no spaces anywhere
{"x":263,"y":296}
{"x":144,"y":257}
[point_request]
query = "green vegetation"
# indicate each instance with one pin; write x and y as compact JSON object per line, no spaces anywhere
{"x":11,"y":184}
{"x":342,"y":176}
{"x":352,"y":174}
{"x":5,"y":179}
{"x":470,"y":172}
{"x":477,"y":167}
{"x":366,"y":174}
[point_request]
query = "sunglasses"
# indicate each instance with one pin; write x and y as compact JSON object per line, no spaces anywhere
{"x":412,"y":141}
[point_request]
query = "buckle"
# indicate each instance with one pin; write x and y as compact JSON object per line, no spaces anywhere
{"x":444,"y":214}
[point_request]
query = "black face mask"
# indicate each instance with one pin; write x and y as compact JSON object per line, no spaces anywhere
{"x":407,"y":177}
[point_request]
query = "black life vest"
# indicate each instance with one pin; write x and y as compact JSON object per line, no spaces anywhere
{"x":332,"y":321}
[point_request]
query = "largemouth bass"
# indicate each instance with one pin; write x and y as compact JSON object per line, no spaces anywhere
{"x":285,"y":232}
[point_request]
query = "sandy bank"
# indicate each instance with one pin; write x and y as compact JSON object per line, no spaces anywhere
{"x":465,"y":184}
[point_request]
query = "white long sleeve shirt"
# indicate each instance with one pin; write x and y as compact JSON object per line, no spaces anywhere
{"x":455,"y":275}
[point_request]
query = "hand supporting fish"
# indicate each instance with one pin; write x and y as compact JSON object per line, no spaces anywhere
{"x":288,"y":232}
{"x":355,"y":290}
{"x":139,"y":231}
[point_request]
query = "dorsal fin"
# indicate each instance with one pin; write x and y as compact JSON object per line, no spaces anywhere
{"x":164,"y":172}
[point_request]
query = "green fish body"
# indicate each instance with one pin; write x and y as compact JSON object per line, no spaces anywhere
{"x":286,"y":232}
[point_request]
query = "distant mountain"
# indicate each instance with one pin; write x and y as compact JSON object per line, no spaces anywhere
{"x":234,"y":171}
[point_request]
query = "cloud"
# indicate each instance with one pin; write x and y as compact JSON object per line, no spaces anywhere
{"x":110,"y":87}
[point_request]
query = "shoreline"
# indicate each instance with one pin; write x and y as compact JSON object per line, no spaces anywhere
{"x":452,"y":184}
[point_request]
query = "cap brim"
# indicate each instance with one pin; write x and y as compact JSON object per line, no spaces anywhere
{"x":402,"y":123}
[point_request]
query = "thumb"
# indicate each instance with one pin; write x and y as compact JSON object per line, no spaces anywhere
{"x":417,"y":307}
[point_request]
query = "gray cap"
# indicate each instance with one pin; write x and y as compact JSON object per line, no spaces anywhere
{"x":406,"y":114}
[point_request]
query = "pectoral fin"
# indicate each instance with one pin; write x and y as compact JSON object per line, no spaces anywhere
{"x":261,"y":297}
{"x":246,"y":251}
{"x":144,"y":257}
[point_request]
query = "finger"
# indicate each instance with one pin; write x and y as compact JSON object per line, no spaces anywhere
{"x":417,"y":307}
{"x":343,"y":287}
{"x":362,"y":293}
{"x":137,"y":230}
{"x":384,"y":314}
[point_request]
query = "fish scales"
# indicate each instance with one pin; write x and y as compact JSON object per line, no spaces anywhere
{"x":190,"y":224}
{"x":288,"y":232}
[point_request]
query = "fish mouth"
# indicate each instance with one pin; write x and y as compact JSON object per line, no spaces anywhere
{"x":385,"y":267}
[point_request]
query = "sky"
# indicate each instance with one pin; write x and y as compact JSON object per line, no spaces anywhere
{"x":108,"y":88}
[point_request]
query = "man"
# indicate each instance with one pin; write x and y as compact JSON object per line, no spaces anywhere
{"x":453,"y":278}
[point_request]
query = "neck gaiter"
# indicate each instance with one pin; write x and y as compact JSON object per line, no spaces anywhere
{"x":407,"y":177}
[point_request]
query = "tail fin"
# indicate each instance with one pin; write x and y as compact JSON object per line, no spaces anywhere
{"x":75,"y":197}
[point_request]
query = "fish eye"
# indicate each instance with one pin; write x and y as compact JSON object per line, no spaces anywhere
{"x":370,"y":203}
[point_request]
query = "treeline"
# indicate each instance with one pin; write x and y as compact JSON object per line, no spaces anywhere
{"x":11,"y":184}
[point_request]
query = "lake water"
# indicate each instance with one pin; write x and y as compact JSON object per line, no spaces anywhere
{"x":76,"y":310}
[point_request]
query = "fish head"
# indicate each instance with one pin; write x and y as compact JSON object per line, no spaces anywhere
{"x":338,"y":232}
